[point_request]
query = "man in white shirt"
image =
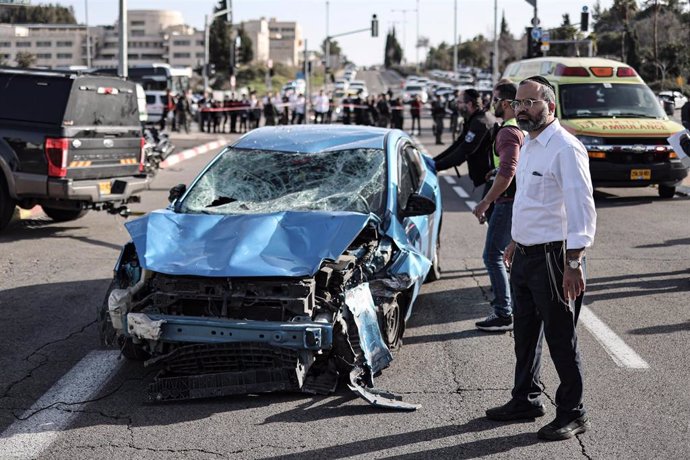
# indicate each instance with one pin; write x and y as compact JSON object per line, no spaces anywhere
{"x":554,"y":221}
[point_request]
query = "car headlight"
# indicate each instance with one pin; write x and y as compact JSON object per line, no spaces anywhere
{"x":591,"y":140}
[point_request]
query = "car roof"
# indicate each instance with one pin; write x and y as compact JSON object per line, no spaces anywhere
{"x":313,"y":138}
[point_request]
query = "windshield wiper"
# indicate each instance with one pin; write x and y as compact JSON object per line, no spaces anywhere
{"x":633,"y":115}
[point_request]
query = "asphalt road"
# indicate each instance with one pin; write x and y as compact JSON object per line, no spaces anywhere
{"x":53,"y":276}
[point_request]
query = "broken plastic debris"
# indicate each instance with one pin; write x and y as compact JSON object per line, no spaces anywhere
{"x":141,"y":326}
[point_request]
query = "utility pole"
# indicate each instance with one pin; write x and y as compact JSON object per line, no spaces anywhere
{"x":204,"y":69}
{"x":307,"y":96}
{"x":123,"y":66}
{"x":417,"y":39}
{"x":404,"y":12}
{"x":494,"y":63}
{"x":88,"y":35}
{"x":455,"y":36}
{"x":327,"y":67}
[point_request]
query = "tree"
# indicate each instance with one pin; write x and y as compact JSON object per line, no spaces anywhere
{"x":25,"y":59}
{"x":219,"y":40}
{"x":40,"y":14}
{"x":439,"y":57}
{"x":335,"y":47}
{"x":566,"y":31}
{"x":475,"y":52}
{"x":392,"y":51}
{"x":246,"y":52}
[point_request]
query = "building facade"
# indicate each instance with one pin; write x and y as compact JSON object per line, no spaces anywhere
{"x":153,"y":36}
{"x":257,"y":31}
{"x":285,"y":42}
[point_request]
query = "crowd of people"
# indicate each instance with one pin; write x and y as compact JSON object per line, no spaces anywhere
{"x":239,"y":113}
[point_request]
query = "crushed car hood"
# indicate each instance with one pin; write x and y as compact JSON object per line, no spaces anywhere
{"x":277,"y":244}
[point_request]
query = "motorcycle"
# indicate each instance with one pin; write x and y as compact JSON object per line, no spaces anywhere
{"x":157,"y":148}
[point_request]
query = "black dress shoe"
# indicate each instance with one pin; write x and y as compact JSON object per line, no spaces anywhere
{"x":515,"y":410}
{"x":559,"y":430}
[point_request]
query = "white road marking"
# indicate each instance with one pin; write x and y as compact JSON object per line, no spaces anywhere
{"x":618,"y":350}
{"x":37,"y":429}
{"x":461,"y":192}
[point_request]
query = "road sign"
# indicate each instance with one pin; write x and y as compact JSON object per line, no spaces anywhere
{"x":536,"y":33}
{"x":545,"y":39}
{"x":535,"y":22}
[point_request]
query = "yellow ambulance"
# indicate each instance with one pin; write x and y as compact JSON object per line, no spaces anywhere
{"x":617,"y":117}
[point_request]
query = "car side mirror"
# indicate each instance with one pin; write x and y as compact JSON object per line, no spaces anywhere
{"x":419,"y":205}
{"x":176,"y":192}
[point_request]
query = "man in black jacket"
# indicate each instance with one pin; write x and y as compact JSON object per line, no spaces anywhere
{"x":474,"y":143}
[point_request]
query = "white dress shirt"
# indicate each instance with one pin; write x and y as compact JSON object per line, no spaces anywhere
{"x":554,"y":200}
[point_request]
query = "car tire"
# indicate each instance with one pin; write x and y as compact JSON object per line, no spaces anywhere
{"x":108,"y":336}
{"x":667,"y":191}
{"x":7,"y":204}
{"x":64,"y":215}
{"x":393,"y":323}
{"x":435,"y":270}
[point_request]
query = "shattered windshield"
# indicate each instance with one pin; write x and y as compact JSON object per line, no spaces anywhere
{"x":257,"y":181}
{"x":606,"y":100}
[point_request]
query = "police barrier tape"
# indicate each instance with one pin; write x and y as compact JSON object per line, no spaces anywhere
{"x":246,"y":108}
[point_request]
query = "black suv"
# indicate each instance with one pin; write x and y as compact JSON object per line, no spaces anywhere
{"x":69,"y":143}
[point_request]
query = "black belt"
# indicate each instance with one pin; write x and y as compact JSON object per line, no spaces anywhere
{"x":538,"y":248}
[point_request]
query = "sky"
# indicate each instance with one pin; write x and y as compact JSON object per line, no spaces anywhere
{"x":436,"y":22}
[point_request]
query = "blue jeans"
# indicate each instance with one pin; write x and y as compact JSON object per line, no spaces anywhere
{"x":497,"y":239}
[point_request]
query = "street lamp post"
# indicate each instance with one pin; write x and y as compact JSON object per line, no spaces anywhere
{"x":88,"y":35}
{"x":455,"y":36}
{"x":404,"y":12}
{"x":123,"y":69}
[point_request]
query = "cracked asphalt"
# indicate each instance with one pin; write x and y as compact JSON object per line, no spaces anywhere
{"x":54,"y":276}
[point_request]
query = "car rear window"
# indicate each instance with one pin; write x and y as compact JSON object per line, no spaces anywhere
{"x":99,"y":102}
{"x":413,"y":88}
{"x":34,"y":98}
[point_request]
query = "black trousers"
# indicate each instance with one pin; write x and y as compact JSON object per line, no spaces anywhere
{"x":536,"y":278}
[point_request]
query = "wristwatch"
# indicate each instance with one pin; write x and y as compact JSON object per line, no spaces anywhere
{"x":574,"y":263}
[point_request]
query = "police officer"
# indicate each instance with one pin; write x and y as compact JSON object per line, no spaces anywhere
{"x":438,"y":112}
{"x":474,"y":143}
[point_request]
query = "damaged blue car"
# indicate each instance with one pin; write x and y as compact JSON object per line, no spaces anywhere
{"x":292,"y":261}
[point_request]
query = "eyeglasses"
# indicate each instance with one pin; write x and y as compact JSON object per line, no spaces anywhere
{"x":526,"y":103}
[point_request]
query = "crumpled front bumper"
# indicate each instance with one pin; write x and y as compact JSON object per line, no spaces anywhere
{"x":306,"y":335}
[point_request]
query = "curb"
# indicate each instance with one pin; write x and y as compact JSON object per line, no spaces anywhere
{"x":191,"y":153}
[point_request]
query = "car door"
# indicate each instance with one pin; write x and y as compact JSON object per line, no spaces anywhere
{"x":410,"y":177}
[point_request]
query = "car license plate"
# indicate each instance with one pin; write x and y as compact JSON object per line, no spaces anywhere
{"x":104,"y":188}
{"x":640,"y":174}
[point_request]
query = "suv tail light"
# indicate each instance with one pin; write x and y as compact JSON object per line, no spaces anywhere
{"x":56,"y":151}
{"x":142,"y":154}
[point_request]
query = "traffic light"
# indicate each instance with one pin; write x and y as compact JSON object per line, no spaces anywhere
{"x":210,"y":69}
{"x":533,"y":43}
{"x":584,"y":19}
{"x":238,"y":51}
{"x":374,"y":26}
